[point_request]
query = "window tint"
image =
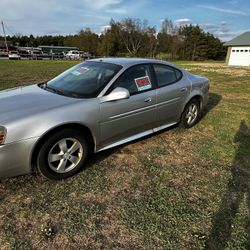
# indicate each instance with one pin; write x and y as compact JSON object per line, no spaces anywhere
{"x":166,"y":75}
{"x":136,"y":79}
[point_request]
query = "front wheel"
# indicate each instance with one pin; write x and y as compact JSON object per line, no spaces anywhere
{"x":191,"y":114}
{"x":62,"y":155}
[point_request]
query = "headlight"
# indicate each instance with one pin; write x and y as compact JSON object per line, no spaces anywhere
{"x":3,"y":133}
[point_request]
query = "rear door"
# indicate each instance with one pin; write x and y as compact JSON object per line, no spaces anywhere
{"x":172,"y":91}
{"x":124,"y":118}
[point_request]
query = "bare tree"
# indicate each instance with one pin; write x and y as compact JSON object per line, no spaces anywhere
{"x":131,"y":32}
{"x":151,"y":43}
{"x":167,"y":27}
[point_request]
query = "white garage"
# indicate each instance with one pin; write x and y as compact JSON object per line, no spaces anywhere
{"x":238,"y":53}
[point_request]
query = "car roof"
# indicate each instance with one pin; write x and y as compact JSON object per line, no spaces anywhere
{"x":127,"y":62}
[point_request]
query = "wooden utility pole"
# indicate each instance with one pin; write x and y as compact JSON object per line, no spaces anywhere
{"x":6,"y":44}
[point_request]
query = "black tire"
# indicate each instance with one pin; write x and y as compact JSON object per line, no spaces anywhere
{"x":195,"y":118}
{"x":51,"y":147}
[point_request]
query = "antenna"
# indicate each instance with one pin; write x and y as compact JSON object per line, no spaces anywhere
{"x":5,"y":37}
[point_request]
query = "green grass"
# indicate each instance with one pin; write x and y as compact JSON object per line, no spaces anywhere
{"x":13,"y":73}
{"x":177,"y":189}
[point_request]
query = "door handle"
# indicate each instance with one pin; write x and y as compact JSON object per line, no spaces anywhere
{"x":183,"y":89}
{"x":149,"y":99}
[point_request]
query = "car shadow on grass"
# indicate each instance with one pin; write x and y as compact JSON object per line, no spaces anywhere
{"x":238,"y":190}
{"x":213,"y":101}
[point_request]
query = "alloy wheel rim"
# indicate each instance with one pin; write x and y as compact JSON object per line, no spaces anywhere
{"x":65,"y":155}
{"x":191,"y":114}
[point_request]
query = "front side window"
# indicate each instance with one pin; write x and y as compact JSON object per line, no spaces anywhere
{"x":166,"y":75}
{"x":85,"y":80}
{"x":136,"y":80}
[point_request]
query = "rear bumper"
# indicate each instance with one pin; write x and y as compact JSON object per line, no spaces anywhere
{"x":15,"y":158}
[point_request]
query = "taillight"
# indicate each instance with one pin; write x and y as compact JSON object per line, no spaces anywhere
{"x":2,"y":135}
{"x":1,"y":138}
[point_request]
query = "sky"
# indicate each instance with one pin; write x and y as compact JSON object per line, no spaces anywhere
{"x":225,"y":18}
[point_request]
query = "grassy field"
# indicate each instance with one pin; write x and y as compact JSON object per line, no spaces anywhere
{"x":177,"y":189}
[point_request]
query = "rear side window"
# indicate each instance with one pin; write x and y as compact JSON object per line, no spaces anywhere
{"x":136,"y":80}
{"x":166,"y":75}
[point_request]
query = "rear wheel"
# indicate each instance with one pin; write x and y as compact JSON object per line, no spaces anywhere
{"x":62,"y":155}
{"x":191,"y":114}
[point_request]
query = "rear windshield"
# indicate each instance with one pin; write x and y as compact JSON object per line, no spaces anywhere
{"x":85,"y":80}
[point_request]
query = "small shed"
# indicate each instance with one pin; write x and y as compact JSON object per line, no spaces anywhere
{"x":238,"y":53}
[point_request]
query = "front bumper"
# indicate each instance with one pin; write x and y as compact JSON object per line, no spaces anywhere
{"x":15,"y":158}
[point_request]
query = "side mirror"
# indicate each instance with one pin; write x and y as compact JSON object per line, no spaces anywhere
{"x":117,"y":94}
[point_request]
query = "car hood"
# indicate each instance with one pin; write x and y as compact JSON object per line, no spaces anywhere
{"x":25,"y":101}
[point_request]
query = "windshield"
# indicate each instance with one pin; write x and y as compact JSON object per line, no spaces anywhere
{"x":85,"y":80}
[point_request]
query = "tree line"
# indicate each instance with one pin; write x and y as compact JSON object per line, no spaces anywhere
{"x":135,"y":38}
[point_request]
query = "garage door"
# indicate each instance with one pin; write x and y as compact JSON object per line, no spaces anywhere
{"x":240,"y":56}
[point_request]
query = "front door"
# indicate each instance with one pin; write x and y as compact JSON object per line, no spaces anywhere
{"x":125,"y":118}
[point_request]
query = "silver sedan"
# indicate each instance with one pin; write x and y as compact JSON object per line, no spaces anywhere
{"x":96,"y":105}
